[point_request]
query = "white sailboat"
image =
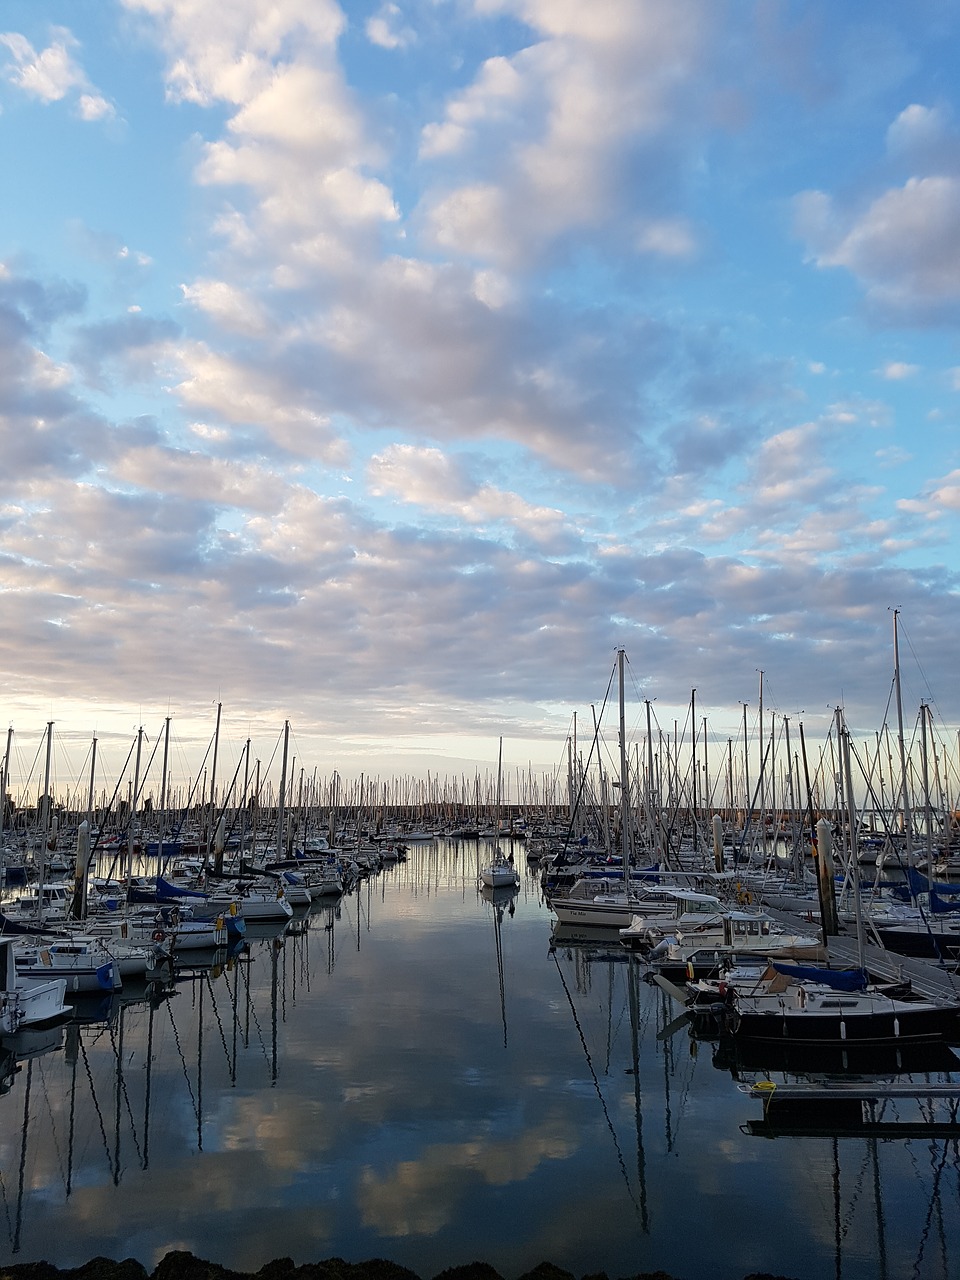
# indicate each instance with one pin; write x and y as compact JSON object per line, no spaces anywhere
{"x":499,"y":873}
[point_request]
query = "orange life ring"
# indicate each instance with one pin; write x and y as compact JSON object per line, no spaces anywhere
{"x":158,"y":935}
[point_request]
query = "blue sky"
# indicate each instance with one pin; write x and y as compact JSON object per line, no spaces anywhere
{"x":385,"y":367}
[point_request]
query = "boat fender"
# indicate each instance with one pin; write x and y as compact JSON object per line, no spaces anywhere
{"x":158,"y":935}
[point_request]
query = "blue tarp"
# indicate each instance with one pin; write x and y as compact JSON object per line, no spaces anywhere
{"x":919,"y":883}
{"x":839,"y":979}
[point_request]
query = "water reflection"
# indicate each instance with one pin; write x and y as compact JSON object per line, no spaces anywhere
{"x":390,"y":1075}
{"x":502,"y":900}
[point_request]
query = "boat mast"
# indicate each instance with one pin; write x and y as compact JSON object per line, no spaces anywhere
{"x":625,"y":841}
{"x":854,"y":854}
{"x":693,"y":776}
{"x":761,"y":791}
{"x":281,"y":851}
{"x":212,"y":813}
{"x":46,"y":820}
{"x":902,"y":750}
{"x":134,"y":797}
{"x":927,"y":808}
{"x":4,"y":775}
{"x":93,"y":768}
{"x":162,"y":817}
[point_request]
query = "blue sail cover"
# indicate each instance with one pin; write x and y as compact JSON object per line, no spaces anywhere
{"x":167,"y":891}
{"x":940,"y":906}
{"x":919,"y":883}
{"x":8,"y":925}
{"x":839,"y":979}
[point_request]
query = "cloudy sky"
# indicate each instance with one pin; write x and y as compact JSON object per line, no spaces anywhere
{"x":385,"y":367}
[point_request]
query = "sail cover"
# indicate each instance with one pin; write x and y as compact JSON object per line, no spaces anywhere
{"x":839,"y":979}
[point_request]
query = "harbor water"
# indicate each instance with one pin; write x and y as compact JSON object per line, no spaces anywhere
{"x":428,"y":1073}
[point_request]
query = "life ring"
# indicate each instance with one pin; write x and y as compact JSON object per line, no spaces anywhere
{"x":158,"y":935}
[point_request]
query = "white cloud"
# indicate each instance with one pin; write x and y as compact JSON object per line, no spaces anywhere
{"x":226,"y":52}
{"x":237,"y":310}
{"x":939,"y":497}
{"x":493,"y":98}
{"x":903,"y":244}
{"x":916,"y":128}
{"x":48,"y":75}
{"x":256,"y":398}
{"x":53,"y":73}
{"x":385,"y":28}
{"x":434,"y":481}
{"x":897,"y":370}
{"x":667,"y":238}
{"x":893,"y":456}
{"x":599,"y":84}
{"x":91,"y":106}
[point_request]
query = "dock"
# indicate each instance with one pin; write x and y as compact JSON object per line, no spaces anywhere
{"x":852,"y":1109}
{"x":850,"y":1091}
{"x":930,"y":979}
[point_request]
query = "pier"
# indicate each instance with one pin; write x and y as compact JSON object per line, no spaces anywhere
{"x":929,"y":978}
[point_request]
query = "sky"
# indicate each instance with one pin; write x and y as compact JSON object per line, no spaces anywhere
{"x":386,"y":367}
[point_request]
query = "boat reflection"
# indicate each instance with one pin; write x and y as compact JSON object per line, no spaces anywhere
{"x":502,"y":898}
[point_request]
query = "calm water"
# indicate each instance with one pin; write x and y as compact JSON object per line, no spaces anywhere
{"x":414,"y":1077}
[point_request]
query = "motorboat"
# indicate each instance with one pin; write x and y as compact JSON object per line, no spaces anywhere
{"x":27,"y":1001}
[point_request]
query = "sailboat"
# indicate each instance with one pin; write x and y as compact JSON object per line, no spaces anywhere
{"x":500,"y":873}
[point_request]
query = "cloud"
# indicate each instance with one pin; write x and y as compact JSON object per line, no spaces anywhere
{"x":897,"y":370}
{"x":227,"y":55}
{"x":237,"y":310}
{"x":938,"y":497}
{"x":91,"y":106}
{"x":384,"y":28}
{"x":53,"y":73}
{"x":585,"y":123}
{"x":449,"y":302}
{"x":134,"y":347}
{"x":903,"y":244}
{"x":46,"y":430}
{"x":667,"y":238}
{"x":435,"y":482}
{"x":251,"y":394}
{"x":924,"y":138}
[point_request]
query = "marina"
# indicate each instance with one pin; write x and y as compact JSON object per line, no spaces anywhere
{"x":390,"y":1073}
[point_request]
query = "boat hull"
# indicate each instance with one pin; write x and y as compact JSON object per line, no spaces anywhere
{"x":891,"y":1027}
